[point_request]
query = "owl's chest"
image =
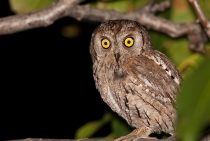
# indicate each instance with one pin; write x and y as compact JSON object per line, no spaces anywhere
{"x":112,"y":89}
{"x":111,"y":85}
{"x":114,"y":94}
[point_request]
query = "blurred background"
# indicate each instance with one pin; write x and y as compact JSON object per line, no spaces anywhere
{"x":47,"y":88}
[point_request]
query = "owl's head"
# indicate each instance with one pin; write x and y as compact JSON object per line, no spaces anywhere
{"x":118,"y":38}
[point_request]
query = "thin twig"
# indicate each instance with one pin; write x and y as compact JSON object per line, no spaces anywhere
{"x":160,"y":7}
{"x":202,"y":18}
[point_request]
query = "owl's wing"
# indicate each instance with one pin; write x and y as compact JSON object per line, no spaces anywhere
{"x":156,"y":77}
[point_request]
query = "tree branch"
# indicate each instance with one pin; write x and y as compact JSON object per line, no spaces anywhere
{"x":40,"y":18}
{"x":206,"y":137}
{"x":154,"y":8}
{"x":139,"y":139}
{"x":202,"y":18}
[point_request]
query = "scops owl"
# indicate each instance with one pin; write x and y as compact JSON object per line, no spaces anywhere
{"x":139,"y":83}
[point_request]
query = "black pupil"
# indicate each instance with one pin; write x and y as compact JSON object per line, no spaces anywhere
{"x":105,"y":43}
{"x":128,"y":41}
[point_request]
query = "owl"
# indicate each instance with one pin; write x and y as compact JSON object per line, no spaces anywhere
{"x":138,"y":82}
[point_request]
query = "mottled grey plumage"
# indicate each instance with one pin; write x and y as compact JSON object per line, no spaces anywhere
{"x":137,"y":82}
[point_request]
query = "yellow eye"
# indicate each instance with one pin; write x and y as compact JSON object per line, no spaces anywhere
{"x":105,"y":43}
{"x":129,"y":42}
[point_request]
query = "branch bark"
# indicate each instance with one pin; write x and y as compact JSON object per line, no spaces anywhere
{"x":42,"y":18}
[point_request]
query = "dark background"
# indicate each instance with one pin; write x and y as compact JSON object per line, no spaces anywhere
{"x":47,"y":88}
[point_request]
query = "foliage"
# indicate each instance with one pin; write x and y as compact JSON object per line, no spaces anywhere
{"x":24,"y":6}
{"x":194,"y":99}
{"x":118,"y":126}
{"x":91,"y":127}
{"x":194,"y":103}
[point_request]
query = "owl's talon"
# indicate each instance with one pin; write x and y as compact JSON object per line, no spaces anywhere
{"x":141,"y":132}
{"x":130,"y":137}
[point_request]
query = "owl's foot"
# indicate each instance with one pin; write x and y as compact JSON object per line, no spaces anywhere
{"x":141,"y":132}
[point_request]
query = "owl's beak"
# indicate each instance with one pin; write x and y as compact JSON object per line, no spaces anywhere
{"x":117,"y":56}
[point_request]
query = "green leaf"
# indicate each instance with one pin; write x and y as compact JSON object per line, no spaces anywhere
{"x":25,"y":6}
{"x":194,"y":103}
{"x":188,"y":66}
{"x":120,"y":127}
{"x":121,"y":5}
{"x":181,"y":11}
{"x":88,"y":129}
{"x":178,"y":50}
